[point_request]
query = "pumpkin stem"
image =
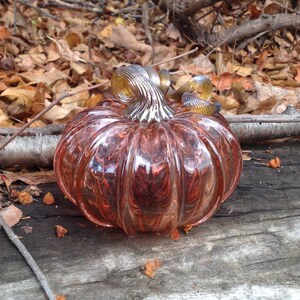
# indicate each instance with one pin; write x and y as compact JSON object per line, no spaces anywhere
{"x":142,"y":88}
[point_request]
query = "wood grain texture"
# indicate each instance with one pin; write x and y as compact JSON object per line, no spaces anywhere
{"x":249,"y":250}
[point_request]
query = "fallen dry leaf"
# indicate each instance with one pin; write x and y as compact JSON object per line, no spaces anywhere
{"x":25,"y":198}
{"x":4,"y":33}
{"x":33,"y":190}
{"x":73,"y":39}
{"x":60,"y":231}
{"x":4,"y":119}
{"x":60,"y":297}
{"x":150,"y":266}
{"x":122,"y":37}
{"x":32,"y":178}
{"x":172,"y":32}
{"x":274,"y":163}
{"x":199,"y":65}
{"x":48,"y":199}
{"x":11,"y":215}
{"x":225,"y":80}
{"x":27,"y":229}
{"x":175,"y":235}
{"x":227,"y":103}
{"x":187,"y":228}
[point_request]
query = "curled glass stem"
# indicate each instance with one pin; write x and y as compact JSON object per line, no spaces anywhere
{"x":145,"y":90}
{"x":201,"y":85}
{"x":195,"y":104}
{"x":140,"y":88}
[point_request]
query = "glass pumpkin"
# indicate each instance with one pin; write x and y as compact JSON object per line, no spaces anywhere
{"x":141,"y":164}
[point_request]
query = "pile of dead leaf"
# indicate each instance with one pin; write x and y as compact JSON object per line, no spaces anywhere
{"x":47,"y":51}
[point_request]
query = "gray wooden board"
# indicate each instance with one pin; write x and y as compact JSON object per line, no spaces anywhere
{"x":249,"y":250}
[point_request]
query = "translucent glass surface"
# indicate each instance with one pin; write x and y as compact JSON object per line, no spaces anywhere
{"x":153,"y":176}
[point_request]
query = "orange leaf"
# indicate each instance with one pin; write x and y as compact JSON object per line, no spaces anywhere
{"x":60,"y":297}
{"x":4,"y":34}
{"x":225,"y":80}
{"x":274,"y":163}
{"x":25,"y":198}
{"x":175,"y":235}
{"x":150,"y":266}
{"x":60,"y":231}
{"x":187,"y":228}
{"x":48,"y":199}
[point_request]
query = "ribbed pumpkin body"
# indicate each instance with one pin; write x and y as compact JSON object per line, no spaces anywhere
{"x":153,"y":176}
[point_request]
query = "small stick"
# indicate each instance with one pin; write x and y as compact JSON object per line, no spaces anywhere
{"x":56,"y":101}
{"x":29,"y":259}
{"x":46,"y":14}
{"x":15,"y":16}
{"x":175,"y":57}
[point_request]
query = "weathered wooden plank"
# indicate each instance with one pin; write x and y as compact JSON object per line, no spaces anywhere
{"x":249,"y":250}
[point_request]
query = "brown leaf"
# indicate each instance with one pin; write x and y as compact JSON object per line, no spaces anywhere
{"x":11,"y":215}
{"x":172,"y":32}
{"x":224,"y":81}
{"x":24,"y":94}
{"x":4,"y":119}
{"x":150,"y":266}
{"x":161,"y":53}
{"x":122,"y":37}
{"x":93,"y":100}
{"x":273,"y":8}
{"x":227,"y":103}
{"x":262,"y":60}
{"x":32,"y":178}
{"x":73,"y":39}
{"x":274,"y":163}
{"x":254,"y":12}
{"x":48,"y":199}
{"x":25,"y":198}
{"x":60,"y":231}
{"x":27,"y":229}
{"x":48,"y":77}
{"x":65,"y":51}
{"x":199,"y":65}
{"x":297,"y":78}
{"x":246,"y":156}
{"x":27,"y":62}
{"x":38,"y":101}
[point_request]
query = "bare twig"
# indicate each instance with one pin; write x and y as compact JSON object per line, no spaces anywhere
{"x":199,"y":34}
{"x":82,"y":5}
{"x":15,"y":16}
{"x":38,"y":145}
{"x":253,"y":27}
{"x":46,"y":14}
{"x":175,"y":57}
{"x":145,"y":21}
{"x":29,"y":259}
{"x":56,"y":101}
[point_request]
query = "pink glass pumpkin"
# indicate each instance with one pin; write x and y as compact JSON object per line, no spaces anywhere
{"x":139,"y":164}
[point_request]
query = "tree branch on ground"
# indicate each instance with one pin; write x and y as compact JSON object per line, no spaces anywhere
{"x":37,"y":145}
{"x":29,"y":259}
{"x":182,"y":19}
